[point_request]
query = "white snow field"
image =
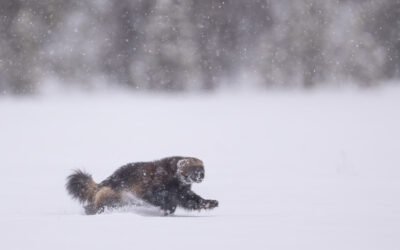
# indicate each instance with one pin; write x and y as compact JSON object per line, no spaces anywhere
{"x":298,"y":170}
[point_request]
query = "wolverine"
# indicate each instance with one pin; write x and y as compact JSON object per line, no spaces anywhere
{"x":164,"y":183}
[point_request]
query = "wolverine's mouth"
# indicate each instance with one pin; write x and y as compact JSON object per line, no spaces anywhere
{"x":197,"y":180}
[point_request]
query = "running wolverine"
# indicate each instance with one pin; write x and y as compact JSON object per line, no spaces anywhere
{"x":165,"y":183}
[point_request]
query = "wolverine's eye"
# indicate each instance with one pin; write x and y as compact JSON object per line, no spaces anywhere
{"x":197,"y":168}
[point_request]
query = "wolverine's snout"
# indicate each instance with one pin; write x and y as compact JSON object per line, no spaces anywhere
{"x":197,"y":174}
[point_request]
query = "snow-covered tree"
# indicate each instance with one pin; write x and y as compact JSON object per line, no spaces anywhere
{"x":168,"y":56}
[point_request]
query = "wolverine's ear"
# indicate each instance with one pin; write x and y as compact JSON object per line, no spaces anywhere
{"x":183,"y":163}
{"x":180,"y":163}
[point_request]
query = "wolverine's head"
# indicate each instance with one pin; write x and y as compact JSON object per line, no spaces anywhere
{"x":190,"y":170}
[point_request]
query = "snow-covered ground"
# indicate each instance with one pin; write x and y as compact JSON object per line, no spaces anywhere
{"x":316,"y":170}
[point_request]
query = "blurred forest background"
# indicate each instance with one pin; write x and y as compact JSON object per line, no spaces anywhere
{"x":178,"y":45}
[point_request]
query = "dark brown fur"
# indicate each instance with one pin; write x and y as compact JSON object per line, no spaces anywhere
{"x":165,"y":183}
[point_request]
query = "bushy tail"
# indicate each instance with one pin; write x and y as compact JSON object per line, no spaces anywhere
{"x":81,"y":186}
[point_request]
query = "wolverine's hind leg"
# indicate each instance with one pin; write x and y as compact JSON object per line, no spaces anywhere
{"x":105,"y":197}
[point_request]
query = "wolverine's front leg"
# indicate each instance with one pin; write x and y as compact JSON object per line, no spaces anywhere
{"x":189,"y":200}
{"x":165,"y":199}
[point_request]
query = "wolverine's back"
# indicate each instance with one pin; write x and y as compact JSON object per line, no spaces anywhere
{"x":138,"y":176}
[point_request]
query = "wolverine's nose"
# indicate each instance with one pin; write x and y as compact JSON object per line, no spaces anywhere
{"x":201,"y":175}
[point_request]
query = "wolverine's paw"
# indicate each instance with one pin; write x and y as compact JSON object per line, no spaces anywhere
{"x":169,"y":210}
{"x":210,"y":204}
{"x":92,"y":209}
